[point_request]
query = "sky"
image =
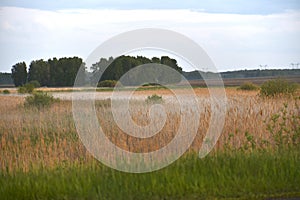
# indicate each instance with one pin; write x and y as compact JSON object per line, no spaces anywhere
{"x":236,"y":34}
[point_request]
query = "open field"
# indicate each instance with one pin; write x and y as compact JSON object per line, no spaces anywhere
{"x":257,"y":155}
{"x":232,"y":82}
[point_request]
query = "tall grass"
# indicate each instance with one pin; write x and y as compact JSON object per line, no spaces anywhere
{"x":29,"y":134}
{"x":255,"y":157}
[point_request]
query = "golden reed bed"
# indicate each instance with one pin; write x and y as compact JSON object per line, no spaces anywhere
{"x":31,"y":137}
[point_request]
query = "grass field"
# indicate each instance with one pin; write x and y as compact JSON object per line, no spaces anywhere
{"x":256,"y":157}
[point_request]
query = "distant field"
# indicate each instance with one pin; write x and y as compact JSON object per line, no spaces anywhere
{"x":256,"y":156}
{"x":229,"y":82}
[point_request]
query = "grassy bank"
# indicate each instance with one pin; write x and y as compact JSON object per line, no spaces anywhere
{"x":255,"y":175}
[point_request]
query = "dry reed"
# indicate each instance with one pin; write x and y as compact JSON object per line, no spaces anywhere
{"x":32,"y":138}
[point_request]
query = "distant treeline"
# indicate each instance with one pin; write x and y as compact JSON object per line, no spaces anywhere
{"x":119,"y":66}
{"x":54,"y":72}
{"x":62,"y":72}
{"x":6,"y":79}
{"x":261,"y":73}
{"x":195,"y":75}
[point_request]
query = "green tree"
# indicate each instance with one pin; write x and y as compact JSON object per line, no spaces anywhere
{"x":165,"y":60}
{"x":98,"y":69}
{"x":39,"y":70}
{"x":155,"y":60}
{"x":70,"y":69}
{"x":63,"y":71}
{"x":6,"y":79}
{"x":19,"y":74}
{"x":53,"y":71}
{"x":119,"y":66}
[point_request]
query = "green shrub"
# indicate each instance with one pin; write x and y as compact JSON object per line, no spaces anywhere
{"x":35,"y":83}
{"x":284,"y":127}
{"x":277,"y":87}
{"x":6,"y":92}
{"x":27,"y":88}
{"x":39,"y":100}
{"x":150,"y":84}
{"x":248,"y":86}
{"x":107,"y":83}
{"x":154,"y":99}
{"x":21,"y":90}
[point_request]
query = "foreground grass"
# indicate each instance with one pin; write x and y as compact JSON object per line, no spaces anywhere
{"x":256,"y":175}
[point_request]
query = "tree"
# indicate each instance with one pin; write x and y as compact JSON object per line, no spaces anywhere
{"x":155,"y":60}
{"x":19,"y":74}
{"x":54,"y":71}
{"x":98,"y":68}
{"x":121,"y":65}
{"x":165,"y":60}
{"x":39,"y":70}
{"x":70,"y":68}
{"x":5,"y":79}
{"x":63,"y":71}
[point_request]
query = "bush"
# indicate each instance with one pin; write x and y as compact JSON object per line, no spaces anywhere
{"x":278,"y":87}
{"x":6,"y":92}
{"x":248,"y":86}
{"x":150,"y":84}
{"x":154,"y":99}
{"x":39,"y":100}
{"x":284,"y":127}
{"x":27,"y":88}
{"x":36,"y":84}
{"x":107,"y":83}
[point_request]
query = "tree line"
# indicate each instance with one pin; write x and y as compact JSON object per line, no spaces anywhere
{"x":114,"y":69}
{"x":62,"y":72}
{"x":53,"y":72}
{"x":5,"y":79}
{"x":255,"y":73}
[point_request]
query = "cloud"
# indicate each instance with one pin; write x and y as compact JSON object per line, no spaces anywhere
{"x":232,"y":40}
{"x":211,"y":6}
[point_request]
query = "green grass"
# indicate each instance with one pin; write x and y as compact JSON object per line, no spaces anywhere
{"x":239,"y":175}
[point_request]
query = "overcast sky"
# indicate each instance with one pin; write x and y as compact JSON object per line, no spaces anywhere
{"x":236,"y":34}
